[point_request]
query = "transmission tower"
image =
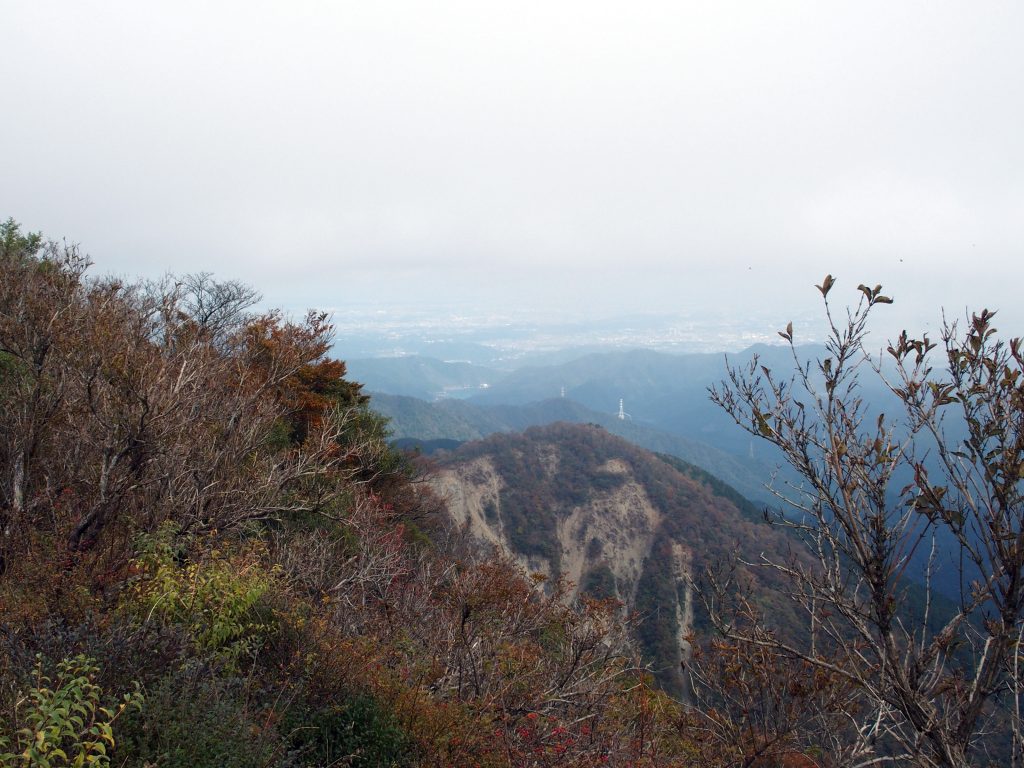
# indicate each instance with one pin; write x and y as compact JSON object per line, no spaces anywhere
{"x":622,"y":415}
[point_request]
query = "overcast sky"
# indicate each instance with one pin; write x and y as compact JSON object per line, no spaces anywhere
{"x":602,"y":156}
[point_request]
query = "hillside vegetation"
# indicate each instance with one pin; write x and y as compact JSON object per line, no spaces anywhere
{"x":210,"y":557}
{"x":573,"y":501}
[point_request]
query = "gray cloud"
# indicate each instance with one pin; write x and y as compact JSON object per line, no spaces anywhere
{"x":606,"y":155}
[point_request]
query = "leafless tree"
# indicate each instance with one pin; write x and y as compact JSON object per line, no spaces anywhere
{"x":40,"y":309}
{"x":877,"y":494}
{"x":216,"y":307}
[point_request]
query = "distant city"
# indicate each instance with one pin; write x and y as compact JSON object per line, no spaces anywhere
{"x":485,"y":337}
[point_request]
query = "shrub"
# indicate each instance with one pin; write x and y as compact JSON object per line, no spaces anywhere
{"x":217,"y":601}
{"x":64,"y":720}
{"x":361,"y":733}
{"x":192,"y":719}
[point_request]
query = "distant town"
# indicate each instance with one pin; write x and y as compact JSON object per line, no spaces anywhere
{"x":485,"y":337}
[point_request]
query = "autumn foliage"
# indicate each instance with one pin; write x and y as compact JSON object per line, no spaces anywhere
{"x":199,"y":508}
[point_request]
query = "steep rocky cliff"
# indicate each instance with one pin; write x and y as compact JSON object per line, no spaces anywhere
{"x":574,"y":502}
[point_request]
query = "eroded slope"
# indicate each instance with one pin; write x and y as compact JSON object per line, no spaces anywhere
{"x":572,"y":501}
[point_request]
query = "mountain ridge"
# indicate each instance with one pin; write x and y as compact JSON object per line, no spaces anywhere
{"x":576,"y":502}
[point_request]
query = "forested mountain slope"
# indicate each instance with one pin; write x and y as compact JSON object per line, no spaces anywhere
{"x":462,"y":420}
{"x":210,"y":557}
{"x":668,"y":392}
{"x":575,"y":502}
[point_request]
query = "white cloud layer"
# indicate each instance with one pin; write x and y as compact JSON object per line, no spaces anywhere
{"x":606,"y":156}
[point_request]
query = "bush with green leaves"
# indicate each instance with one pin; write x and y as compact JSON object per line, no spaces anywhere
{"x":63,"y":719}
{"x":216,"y":601}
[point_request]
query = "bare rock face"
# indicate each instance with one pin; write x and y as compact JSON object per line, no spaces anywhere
{"x":574,"y":502}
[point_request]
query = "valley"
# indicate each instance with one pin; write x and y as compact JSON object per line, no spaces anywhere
{"x":665,"y":397}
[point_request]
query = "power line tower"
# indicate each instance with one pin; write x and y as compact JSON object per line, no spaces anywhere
{"x":622,"y":415}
